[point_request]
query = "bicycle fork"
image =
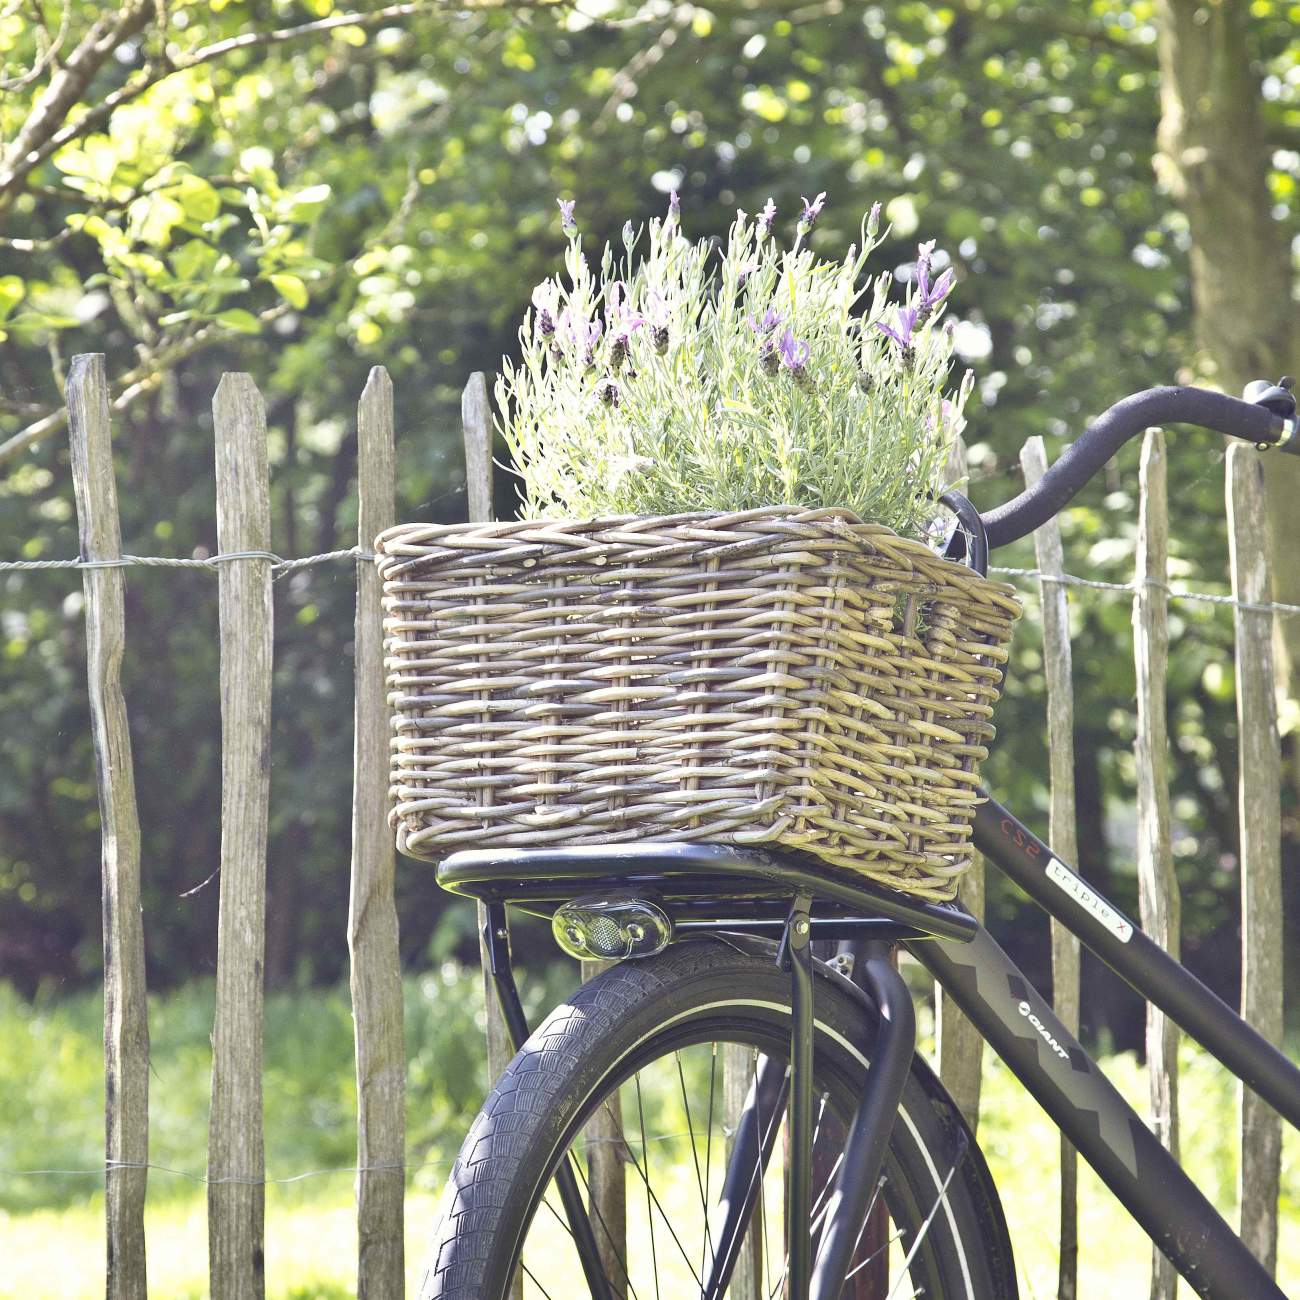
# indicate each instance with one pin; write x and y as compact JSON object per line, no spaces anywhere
{"x":819,"y":1274}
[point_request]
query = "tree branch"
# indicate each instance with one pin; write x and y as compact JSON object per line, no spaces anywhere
{"x":142,"y":379}
{"x":66,"y":88}
{"x":42,"y":135}
{"x":46,"y":56}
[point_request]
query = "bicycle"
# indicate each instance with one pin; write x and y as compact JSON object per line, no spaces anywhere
{"x":880,"y":1188}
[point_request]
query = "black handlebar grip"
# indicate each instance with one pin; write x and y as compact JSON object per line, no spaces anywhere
{"x":1111,"y":430}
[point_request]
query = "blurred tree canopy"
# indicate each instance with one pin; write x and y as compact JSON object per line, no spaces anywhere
{"x":304,"y":191}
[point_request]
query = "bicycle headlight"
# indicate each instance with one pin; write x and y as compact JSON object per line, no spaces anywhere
{"x":611,"y":927}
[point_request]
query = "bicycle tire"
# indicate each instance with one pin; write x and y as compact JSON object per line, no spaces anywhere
{"x":639,"y":1012}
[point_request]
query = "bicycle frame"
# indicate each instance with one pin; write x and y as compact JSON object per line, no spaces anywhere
{"x":703,"y":882}
{"x":1020,"y":1026}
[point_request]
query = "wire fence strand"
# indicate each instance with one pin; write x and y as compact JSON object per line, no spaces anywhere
{"x":100,"y":1170}
{"x":1131,"y":588}
{"x":211,"y":562}
{"x":282,"y":567}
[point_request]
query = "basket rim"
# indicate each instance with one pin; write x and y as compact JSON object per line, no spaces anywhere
{"x":836,"y":519}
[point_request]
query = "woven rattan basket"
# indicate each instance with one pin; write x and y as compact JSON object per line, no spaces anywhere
{"x":783,"y":676}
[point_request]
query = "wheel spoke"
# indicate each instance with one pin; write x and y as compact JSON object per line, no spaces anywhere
{"x":929,"y":1218}
{"x":609,"y":1236}
{"x":649,"y":1194}
{"x":695,"y":1157}
{"x":652,"y":1199}
{"x":533,"y":1278}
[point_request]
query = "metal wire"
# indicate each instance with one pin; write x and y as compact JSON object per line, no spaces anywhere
{"x":1131,"y":588}
{"x":280,"y":567}
{"x":100,"y":1171}
{"x":212,"y":562}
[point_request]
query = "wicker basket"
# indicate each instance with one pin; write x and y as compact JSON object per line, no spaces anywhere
{"x":783,"y":676}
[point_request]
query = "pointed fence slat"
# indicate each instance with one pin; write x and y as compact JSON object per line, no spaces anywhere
{"x":126,"y":1026}
{"x":1157,"y":883}
{"x":376,"y":978}
{"x":236,"y":1167}
{"x":1063,"y":833}
{"x":960,"y":1045}
{"x":1259,"y":812}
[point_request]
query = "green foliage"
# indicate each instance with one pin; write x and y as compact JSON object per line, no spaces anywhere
{"x":51,"y":1117}
{"x":1022,"y":136}
{"x":52,"y":1084}
{"x":680,"y":380}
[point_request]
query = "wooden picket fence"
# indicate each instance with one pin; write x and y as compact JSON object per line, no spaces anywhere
{"x":236,"y":1170}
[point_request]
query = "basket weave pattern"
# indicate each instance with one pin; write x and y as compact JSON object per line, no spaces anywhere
{"x":783,"y":676}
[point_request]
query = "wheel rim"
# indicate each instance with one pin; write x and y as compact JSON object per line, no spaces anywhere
{"x":672,"y":1143}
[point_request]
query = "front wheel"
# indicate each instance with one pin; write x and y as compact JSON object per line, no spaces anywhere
{"x":630,"y":1080}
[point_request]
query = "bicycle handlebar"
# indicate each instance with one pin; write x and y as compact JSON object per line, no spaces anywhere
{"x":1126,"y":419}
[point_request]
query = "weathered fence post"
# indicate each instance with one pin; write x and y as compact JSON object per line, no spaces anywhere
{"x":1157,"y":883}
{"x":126,"y":1024}
{"x":959,"y":1045}
{"x":1259,"y":813}
{"x":376,"y":978}
{"x":607,"y":1177}
{"x":476,"y":425}
{"x":1063,"y":832}
{"x":236,"y":1192}
{"x":739,"y":1071}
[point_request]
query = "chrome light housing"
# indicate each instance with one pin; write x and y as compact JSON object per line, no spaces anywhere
{"x":611,"y":927}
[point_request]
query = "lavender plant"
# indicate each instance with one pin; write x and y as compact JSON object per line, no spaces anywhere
{"x":682,"y":377}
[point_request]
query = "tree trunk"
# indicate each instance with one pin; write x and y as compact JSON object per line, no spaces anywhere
{"x":1213,"y":159}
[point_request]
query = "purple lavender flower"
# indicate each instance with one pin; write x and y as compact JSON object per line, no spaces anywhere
{"x":794,"y":352}
{"x":811,"y":211}
{"x":580,"y":333}
{"x":902,"y":336}
{"x":621,"y":322}
{"x":607,"y":391}
{"x":929,"y":296}
{"x":657,"y":318}
{"x":545,"y":299}
{"x":674,"y":209}
{"x":873,"y":221}
{"x":771,"y":319}
{"x":766,"y":217}
{"x":567,"y":223}
{"x":924,"y":253}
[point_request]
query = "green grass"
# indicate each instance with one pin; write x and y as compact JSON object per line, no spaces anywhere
{"x":51,"y":1231}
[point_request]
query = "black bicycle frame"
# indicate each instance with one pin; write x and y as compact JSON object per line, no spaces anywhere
{"x":699,"y":885}
{"x":1021,"y":1027}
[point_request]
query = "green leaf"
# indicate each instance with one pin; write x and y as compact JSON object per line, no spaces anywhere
{"x":200,"y":201}
{"x":290,"y":288}
{"x":244,"y":322}
{"x":12,"y":290}
{"x":193,"y":259}
{"x":152,"y":219}
{"x":304,"y":205}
